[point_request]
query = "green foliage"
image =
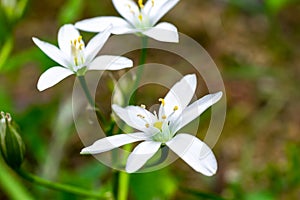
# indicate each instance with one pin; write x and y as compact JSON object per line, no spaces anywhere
{"x":260,"y":196}
{"x":70,"y":11}
{"x":202,"y":195}
{"x":276,"y":5}
{"x":153,"y":185}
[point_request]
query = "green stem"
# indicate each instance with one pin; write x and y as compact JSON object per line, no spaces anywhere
{"x":58,"y":186}
{"x":140,"y":68}
{"x":124,"y":185}
{"x":90,"y":98}
{"x":11,"y":185}
{"x":124,"y":177}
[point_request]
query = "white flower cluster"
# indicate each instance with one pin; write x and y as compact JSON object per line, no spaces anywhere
{"x":154,"y":129}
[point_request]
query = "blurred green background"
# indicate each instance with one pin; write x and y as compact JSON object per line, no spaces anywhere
{"x":255,"y":44}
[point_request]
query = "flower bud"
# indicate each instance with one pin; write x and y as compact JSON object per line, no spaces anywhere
{"x":11,"y":143}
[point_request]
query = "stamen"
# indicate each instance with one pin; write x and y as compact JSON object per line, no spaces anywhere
{"x":175,"y":108}
{"x":77,"y":47}
{"x":143,"y":106}
{"x":164,"y":117}
{"x":140,"y":17}
{"x":76,"y":61}
{"x":141,"y":5}
{"x":79,"y":38}
{"x":152,"y":1}
{"x":130,"y":9}
{"x":141,"y":116}
{"x":162,"y":101}
{"x":144,"y":119}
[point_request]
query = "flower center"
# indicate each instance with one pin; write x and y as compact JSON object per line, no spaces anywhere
{"x":77,"y":47}
{"x":141,"y":19}
{"x":161,"y":123}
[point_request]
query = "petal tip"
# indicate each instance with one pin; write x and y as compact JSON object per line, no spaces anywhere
{"x":40,"y":86}
{"x":35,"y":40}
{"x":218,"y":95}
{"x":84,"y":151}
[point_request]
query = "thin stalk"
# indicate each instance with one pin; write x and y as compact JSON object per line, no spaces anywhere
{"x":90,"y":98}
{"x":58,"y":186}
{"x":140,"y":68}
{"x":124,"y":183}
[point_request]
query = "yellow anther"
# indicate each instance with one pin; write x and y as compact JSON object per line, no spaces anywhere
{"x":162,"y":101}
{"x":130,"y":9}
{"x":79,"y":38}
{"x":164,"y":117}
{"x":76,"y":61}
{"x":175,"y":108}
{"x":143,"y":106}
{"x":140,"y":17}
{"x":152,"y":1}
{"x":141,"y":5}
{"x":147,"y":125}
{"x":141,"y":116}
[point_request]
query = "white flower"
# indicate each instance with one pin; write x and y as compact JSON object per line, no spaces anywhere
{"x":140,"y":19}
{"x":76,"y":58}
{"x":161,"y":129}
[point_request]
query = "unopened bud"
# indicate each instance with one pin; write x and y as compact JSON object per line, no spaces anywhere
{"x":11,"y":143}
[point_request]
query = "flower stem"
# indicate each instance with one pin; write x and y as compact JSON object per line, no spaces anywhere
{"x":140,"y":68}
{"x":58,"y":186}
{"x":90,"y":98}
{"x":124,"y":177}
{"x":124,"y":183}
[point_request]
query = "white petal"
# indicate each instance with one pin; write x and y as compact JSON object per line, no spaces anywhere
{"x":164,"y":32}
{"x":195,"y":153}
{"x":99,"y":24}
{"x":53,"y":52}
{"x":130,"y":115}
{"x":141,"y":154}
{"x":160,"y":8}
{"x":112,"y":142}
{"x":123,"y":29}
{"x":128,"y":9}
{"x":95,"y":44}
{"x":65,"y":34}
{"x":196,"y":109}
{"x":179,"y":95}
{"x":52,"y":76}
{"x":106,"y":62}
